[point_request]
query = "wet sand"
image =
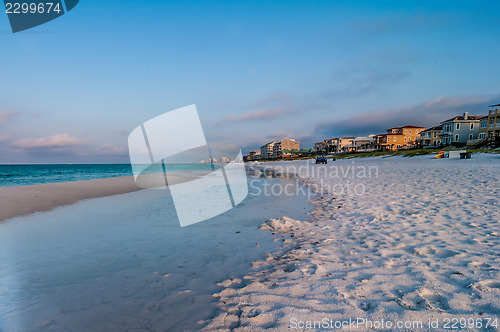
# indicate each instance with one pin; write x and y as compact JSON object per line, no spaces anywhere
{"x":23,"y":200}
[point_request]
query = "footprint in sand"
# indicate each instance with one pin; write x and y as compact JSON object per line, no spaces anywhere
{"x":434,"y":300}
{"x":486,"y":286}
{"x":424,"y":299}
{"x":479,"y":265}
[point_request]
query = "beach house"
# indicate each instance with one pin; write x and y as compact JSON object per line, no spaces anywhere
{"x":364,"y":144}
{"x":390,"y":141}
{"x":459,"y":129}
{"x":254,"y":155}
{"x":345,"y":143}
{"x":331,"y":145}
{"x":319,"y":148}
{"x":430,"y":136}
{"x":491,"y":124}
{"x":399,"y":137}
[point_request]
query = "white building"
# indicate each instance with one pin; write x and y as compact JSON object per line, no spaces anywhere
{"x":364,"y":144}
{"x":266,"y":150}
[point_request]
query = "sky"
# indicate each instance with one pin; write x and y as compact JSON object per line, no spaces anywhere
{"x":73,"y":89}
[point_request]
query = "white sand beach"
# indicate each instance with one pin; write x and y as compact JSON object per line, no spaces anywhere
{"x":408,"y":240}
{"x":420,"y":244}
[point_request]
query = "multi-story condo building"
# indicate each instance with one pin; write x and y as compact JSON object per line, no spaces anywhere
{"x":460,"y":129}
{"x":266,"y":150}
{"x":288,"y":144}
{"x":430,"y":136}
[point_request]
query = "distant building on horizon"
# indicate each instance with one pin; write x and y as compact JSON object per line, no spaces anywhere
{"x":279,"y":149}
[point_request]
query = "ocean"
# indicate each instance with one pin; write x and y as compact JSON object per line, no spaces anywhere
{"x":23,"y":175}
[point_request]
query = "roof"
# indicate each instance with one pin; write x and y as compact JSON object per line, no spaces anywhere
{"x":407,"y":126}
{"x":494,"y":105}
{"x":411,"y":126}
{"x":263,"y":146}
{"x":461,"y":118}
{"x":438,"y":127}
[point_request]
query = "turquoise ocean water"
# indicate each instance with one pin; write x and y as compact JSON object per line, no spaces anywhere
{"x":23,"y":175}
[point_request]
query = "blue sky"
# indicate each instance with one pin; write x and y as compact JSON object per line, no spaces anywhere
{"x":73,"y":89}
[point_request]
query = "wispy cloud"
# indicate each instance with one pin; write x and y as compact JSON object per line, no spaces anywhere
{"x":56,"y":141}
{"x":259,"y":114}
{"x":4,"y":138}
{"x":109,"y":149}
{"x":426,"y":114}
{"x":6,"y":116}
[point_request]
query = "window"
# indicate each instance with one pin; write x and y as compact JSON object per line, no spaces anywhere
{"x":409,"y":131}
{"x":471,"y":126}
{"x":491,"y":121}
{"x":470,"y":137}
{"x":394,"y":139}
{"x":484,"y":124}
{"x":482,"y":135}
{"x":458,"y":126}
{"x":405,"y":139}
{"x":456,"y":138}
{"x":406,"y":131}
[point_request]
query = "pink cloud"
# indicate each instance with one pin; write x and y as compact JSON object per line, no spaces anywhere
{"x":4,"y":138}
{"x":259,"y":114}
{"x":56,"y":141}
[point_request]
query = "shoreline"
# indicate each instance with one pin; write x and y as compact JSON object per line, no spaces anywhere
{"x":19,"y":201}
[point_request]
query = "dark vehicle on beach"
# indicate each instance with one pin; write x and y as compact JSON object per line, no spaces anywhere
{"x":321,"y":160}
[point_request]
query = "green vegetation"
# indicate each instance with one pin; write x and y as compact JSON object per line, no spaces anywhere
{"x":410,"y":153}
{"x":404,"y":153}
